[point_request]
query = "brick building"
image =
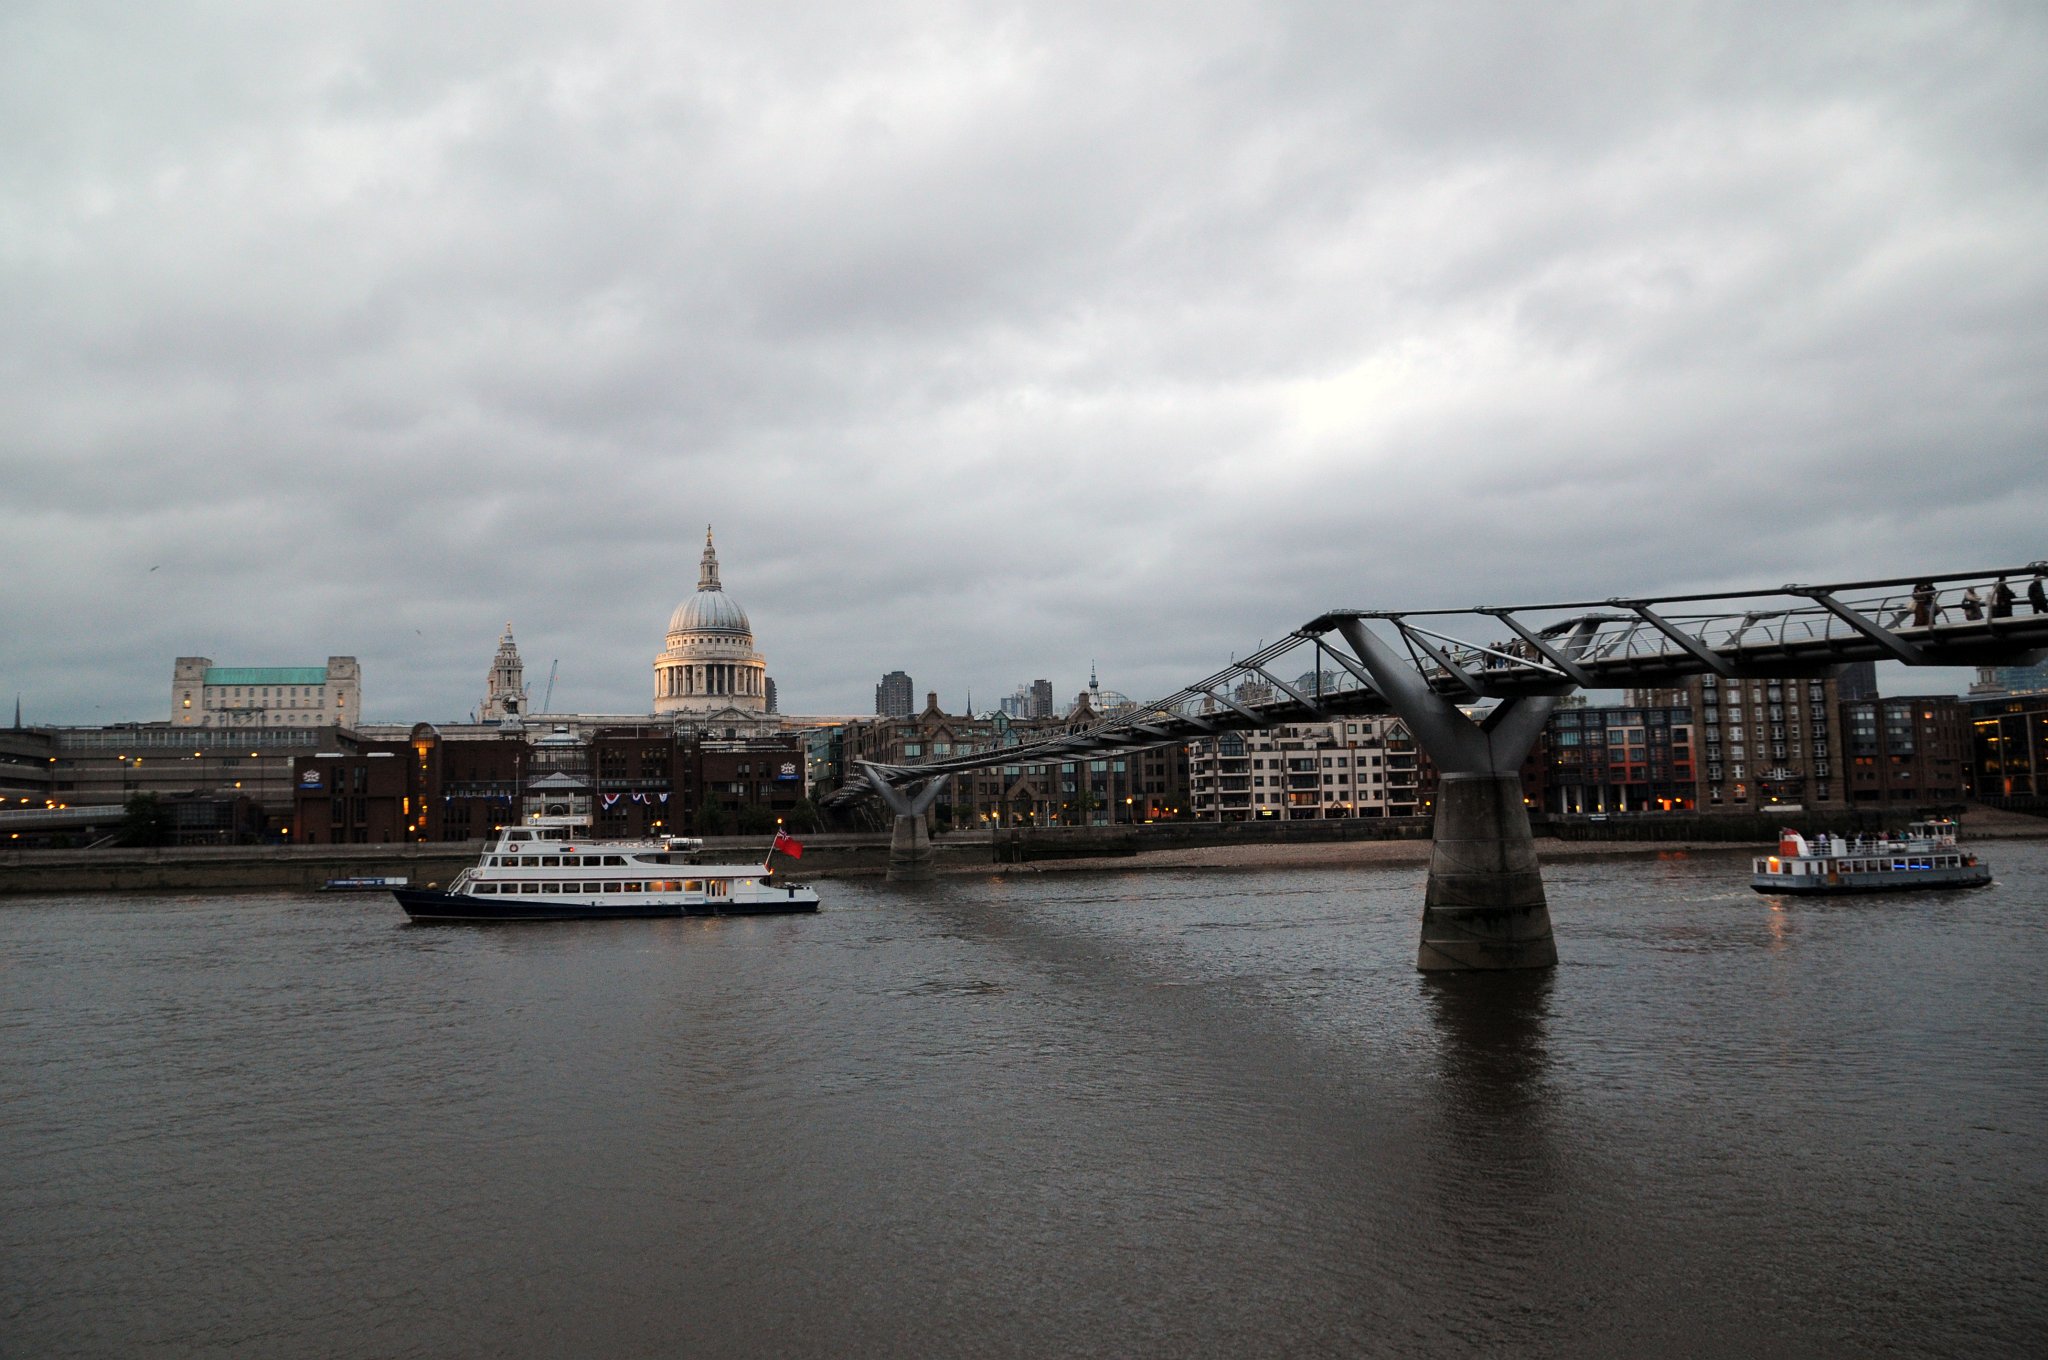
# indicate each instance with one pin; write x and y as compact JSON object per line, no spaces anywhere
{"x":1905,"y":751}
{"x":630,"y":780}
{"x":1765,"y":743}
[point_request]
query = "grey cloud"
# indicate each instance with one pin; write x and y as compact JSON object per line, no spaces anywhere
{"x":992,"y":339}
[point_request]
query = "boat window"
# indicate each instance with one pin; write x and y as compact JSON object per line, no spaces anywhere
{"x":629,"y":887}
{"x":529,"y":887}
{"x":615,"y":860}
{"x":551,"y":861}
{"x":485,"y":888}
{"x":693,"y":885}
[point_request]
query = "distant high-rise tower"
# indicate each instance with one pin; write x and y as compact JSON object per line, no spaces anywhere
{"x":1041,"y":699}
{"x":768,"y":688}
{"x":892,"y":696}
{"x":1857,"y":680}
{"x":504,"y":688}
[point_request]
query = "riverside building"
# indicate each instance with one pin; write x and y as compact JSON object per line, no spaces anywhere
{"x":1626,"y":758}
{"x":206,"y":695}
{"x":631,"y":779}
{"x":1768,"y":743}
{"x":1905,"y":751}
{"x":1354,"y":767}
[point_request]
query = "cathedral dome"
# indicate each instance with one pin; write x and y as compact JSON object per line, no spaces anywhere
{"x":709,"y":664}
{"x":710,"y":611}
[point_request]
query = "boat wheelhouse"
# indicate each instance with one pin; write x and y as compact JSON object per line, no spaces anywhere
{"x":1926,"y":856}
{"x":548,"y":870}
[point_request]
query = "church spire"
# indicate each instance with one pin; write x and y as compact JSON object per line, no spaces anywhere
{"x":707,"y":575}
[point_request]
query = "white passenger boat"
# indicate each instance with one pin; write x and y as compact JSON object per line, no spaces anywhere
{"x":549,"y":870}
{"x":1926,"y":856}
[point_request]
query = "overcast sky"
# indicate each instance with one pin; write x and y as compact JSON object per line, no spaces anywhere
{"x":992,"y":338}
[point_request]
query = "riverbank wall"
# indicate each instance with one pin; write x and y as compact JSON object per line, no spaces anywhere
{"x":309,"y":867}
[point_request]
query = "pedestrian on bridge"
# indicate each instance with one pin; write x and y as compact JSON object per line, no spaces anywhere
{"x":1973,"y":605}
{"x":2001,"y":600}
{"x":2037,"y":596}
{"x":1925,"y":610}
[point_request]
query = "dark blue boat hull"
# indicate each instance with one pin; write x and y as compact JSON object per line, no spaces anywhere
{"x":1915,"y":880}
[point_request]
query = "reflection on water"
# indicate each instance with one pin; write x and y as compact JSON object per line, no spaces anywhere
{"x":1492,"y":1039}
{"x":1118,"y":1114}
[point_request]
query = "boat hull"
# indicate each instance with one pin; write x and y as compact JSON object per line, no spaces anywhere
{"x":1905,"y":880}
{"x":423,"y":904}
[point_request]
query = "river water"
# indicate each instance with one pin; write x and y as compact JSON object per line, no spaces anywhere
{"x":1115,"y":1114}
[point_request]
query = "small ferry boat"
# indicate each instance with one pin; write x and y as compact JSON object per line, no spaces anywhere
{"x":547,"y":870}
{"x":1926,"y":856}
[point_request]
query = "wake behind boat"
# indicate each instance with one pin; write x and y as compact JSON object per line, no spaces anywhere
{"x":548,"y":871}
{"x":1927,"y":856}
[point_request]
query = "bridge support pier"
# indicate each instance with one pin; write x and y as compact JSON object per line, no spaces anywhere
{"x":910,"y":843}
{"x":1484,"y":908}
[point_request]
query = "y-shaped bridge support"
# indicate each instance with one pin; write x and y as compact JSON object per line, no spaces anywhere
{"x":1484,"y":907}
{"x":910,"y":845}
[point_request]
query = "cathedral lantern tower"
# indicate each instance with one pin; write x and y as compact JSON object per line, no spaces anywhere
{"x":504,"y":690}
{"x":709,"y":664}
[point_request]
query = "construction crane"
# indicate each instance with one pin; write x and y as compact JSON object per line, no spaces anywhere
{"x":548,"y":699}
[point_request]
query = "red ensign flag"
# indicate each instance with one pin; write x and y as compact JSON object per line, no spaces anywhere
{"x":788,"y":845}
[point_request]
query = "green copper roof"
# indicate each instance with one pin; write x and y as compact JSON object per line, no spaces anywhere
{"x":266,"y":675}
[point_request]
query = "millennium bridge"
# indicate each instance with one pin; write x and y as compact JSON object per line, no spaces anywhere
{"x":1475,"y":687}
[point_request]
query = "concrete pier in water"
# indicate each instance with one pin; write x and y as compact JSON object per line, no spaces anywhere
{"x":1484,"y":907}
{"x":910,"y":843}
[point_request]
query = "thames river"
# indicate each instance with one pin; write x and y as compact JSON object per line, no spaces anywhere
{"x":1114,"y":1114}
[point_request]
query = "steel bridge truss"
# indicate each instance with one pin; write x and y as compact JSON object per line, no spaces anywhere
{"x":1322,"y":670}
